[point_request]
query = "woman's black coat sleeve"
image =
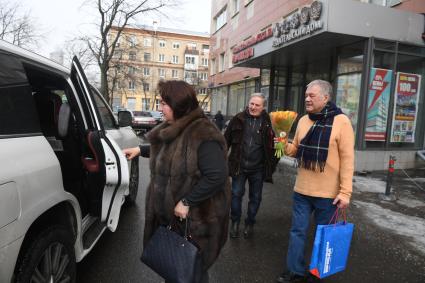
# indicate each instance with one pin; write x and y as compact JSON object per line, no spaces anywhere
{"x":213,"y":167}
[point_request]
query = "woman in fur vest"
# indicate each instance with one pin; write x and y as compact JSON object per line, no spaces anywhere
{"x":189,"y":175}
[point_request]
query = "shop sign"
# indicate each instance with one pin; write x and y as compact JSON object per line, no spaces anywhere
{"x":253,"y":40}
{"x":377,"y":104}
{"x":406,"y":99}
{"x":299,"y":24}
{"x":244,"y":50}
{"x":243,"y":55}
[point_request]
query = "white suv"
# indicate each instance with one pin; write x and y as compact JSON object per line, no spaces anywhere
{"x":63,"y":178}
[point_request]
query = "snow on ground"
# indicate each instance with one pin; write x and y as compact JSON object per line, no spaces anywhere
{"x":410,"y":202}
{"x":398,"y":223}
{"x":365,"y":184}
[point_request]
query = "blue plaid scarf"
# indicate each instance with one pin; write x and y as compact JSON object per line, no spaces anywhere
{"x":313,"y":149}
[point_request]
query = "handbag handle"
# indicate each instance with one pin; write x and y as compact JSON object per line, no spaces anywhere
{"x":187,"y":234}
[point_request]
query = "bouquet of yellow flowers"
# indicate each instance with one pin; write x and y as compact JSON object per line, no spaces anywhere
{"x":282,"y":122}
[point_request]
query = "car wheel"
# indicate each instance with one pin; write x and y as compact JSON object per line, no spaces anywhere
{"x":134,"y":182}
{"x":50,"y":258}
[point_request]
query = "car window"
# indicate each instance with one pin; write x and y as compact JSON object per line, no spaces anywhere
{"x":141,"y":114}
{"x":156,"y":114}
{"x":105,"y":114}
{"x":18,"y":115}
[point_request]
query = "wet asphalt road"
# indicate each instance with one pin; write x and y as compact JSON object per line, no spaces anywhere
{"x":376,"y":255}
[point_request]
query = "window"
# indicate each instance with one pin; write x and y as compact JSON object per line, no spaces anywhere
{"x":205,"y":48}
{"x":235,"y":4}
{"x":132,"y":55}
{"x":176,"y":45}
{"x":161,"y":58}
{"x":132,"y":41}
{"x":157,"y":103}
{"x":131,"y":103}
{"x":161,"y":73}
{"x":190,"y":60}
{"x":118,"y":54}
{"x":147,"y":57}
{"x":104,"y":111}
{"x":117,"y":85}
{"x":131,"y":85}
{"x":213,"y":68}
{"x":174,"y":73}
{"x":221,"y":62}
{"x":175,"y":59}
{"x":131,"y":70}
{"x":202,"y":91}
{"x":145,"y":86}
{"x":162,"y":43}
{"x":18,"y":114}
{"x":147,"y":42}
{"x":146,"y":103}
{"x":204,"y":62}
{"x":203,"y":76}
{"x":146,"y":71}
{"x":191,"y":46}
{"x":220,"y":20}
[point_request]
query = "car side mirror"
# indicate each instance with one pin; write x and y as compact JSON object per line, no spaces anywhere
{"x":124,"y":118}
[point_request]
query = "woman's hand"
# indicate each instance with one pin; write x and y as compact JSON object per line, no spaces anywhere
{"x":181,"y":211}
{"x":132,"y":152}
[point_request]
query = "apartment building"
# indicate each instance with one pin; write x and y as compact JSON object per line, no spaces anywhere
{"x":372,"y":51}
{"x":144,"y":56}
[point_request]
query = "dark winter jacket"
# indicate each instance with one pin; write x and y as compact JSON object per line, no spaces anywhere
{"x":174,"y":172}
{"x":235,"y":142}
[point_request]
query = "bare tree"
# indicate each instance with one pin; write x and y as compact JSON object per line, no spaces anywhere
{"x":17,"y":26}
{"x":75,"y":47}
{"x":114,"y":16}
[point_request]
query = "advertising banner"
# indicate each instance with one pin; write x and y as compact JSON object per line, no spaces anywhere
{"x":406,"y":99}
{"x":377,"y":104}
{"x":348,"y":93}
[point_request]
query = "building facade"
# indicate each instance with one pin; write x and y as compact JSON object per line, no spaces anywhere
{"x":145,"y":56}
{"x":373,"y":53}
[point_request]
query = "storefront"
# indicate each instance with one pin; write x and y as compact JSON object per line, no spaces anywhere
{"x":374,"y":57}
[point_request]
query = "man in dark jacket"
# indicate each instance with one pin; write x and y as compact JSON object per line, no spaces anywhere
{"x":219,"y":120}
{"x":249,"y":138}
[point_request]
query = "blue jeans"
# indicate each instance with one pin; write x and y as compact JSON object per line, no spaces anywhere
{"x":255,"y":181}
{"x":302,"y":208}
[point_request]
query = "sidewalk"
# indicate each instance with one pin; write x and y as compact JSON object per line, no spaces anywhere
{"x":388,"y":242}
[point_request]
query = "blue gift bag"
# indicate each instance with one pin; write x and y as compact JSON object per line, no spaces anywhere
{"x":331,"y":248}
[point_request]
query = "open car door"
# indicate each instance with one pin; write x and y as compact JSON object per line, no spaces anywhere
{"x":106,"y":166}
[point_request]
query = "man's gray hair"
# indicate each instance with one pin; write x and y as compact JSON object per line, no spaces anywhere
{"x":260,"y":95}
{"x":325,"y":87}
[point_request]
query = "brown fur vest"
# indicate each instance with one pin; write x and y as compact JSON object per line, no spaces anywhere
{"x":174,"y":171}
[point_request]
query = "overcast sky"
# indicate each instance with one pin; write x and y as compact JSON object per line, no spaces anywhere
{"x":60,"y":20}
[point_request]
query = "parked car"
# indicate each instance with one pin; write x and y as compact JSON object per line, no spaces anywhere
{"x":63,"y":176}
{"x":143,"y":121}
{"x":158,"y":115}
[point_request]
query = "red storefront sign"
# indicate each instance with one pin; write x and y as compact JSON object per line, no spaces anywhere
{"x":243,"y":55}
{"x":244,"y":50}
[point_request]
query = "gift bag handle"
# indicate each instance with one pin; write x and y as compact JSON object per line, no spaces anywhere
{"x":335,"y":216}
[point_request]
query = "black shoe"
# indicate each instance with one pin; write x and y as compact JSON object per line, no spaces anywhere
{"x":248,"y":231}
{"x":234,"y":230}
{"x":290,"y":277}
{"x":312,"y":279}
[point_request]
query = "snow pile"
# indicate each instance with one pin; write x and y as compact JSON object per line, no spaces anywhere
{"x":364,"y":184}
{"x":398,"y":223}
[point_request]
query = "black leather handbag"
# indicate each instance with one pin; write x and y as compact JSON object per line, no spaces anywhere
{"x":173,"y":256}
